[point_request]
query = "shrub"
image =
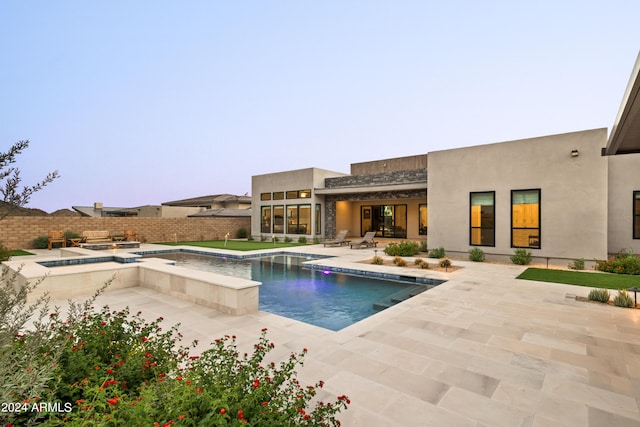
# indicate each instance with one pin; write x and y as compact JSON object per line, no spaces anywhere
{"x":377,"y":260}
{"x":275,"y":239}
{"x":577,"y":264}
{"x":625,"y":262}
{"x":476,"y":254}
{"x":399,"y":261}
{"x":117,"y":369}
{"x":40,"y":242}
{"x":404,"y":248}
{"x":250,"y":238}
{"x":424,"y":265}
{"x":418,"y":261}
{"x":423,"y":246}
{"x":263,"y":238}
{"x":445,"y":263}
{"x":302,"y":239}
{"x":600,"y":295}
{"x":5,"y":253}
{"x":288,"y":239}
{"x":437,"y":253}
{"x":623,"y":299}
{"x":241,"y":233}
{"x":521,"y":257}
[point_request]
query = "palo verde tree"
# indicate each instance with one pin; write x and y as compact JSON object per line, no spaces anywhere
{"x":14,"y":194}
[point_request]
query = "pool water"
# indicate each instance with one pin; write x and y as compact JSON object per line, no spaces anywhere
{"x":329,"y":300}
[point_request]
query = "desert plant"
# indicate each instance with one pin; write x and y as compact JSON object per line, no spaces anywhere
{"x":445,"y":263}
{"x":377,"y":260}
{"x":424,"y":265}
{"x":600,"y":295}
{"x":577,"y":264}
{"x":241,"y":233}
{"x":623,"y":299}
{"x":40,"y":242}
{"x":521,"y":257}
{"x":302,"y":239}
{"x":423,"y":246}
{"x":399,"y":261}
{"x":404,"y":248}
{"x":418,"y":261}
{"x":476,"y":254}
{"x":437,"y":253}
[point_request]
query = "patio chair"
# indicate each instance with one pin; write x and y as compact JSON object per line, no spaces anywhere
{"x":131,"y":236}
{"x":339,"y":240}
{"x":366,"y":242}
{"x":57,"y":236}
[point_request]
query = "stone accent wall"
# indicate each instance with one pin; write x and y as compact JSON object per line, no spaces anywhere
{"x":18,"y":232}
{"x":386,"y":178}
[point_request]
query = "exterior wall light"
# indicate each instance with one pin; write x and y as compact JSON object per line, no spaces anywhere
{"x":575,"y":153}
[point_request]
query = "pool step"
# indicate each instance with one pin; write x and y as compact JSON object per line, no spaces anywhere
{"x":398,"y":297}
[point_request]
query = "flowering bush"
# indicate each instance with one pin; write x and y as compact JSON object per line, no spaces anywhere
{"x":623,"y":263}
{"x":117,"y":369}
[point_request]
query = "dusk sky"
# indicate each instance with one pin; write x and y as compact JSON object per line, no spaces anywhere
{"x":144,"y":102}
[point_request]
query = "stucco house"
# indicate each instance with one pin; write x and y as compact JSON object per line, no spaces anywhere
{"x":566,"y":196}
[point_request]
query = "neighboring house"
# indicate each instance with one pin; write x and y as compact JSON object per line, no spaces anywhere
{"x":217,"y":205}
{"x":565,"y":196}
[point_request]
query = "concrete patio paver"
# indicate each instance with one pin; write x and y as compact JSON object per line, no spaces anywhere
{"x":482,"y":349}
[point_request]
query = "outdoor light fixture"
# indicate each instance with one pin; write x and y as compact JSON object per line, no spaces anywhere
{"x":575,"y":153}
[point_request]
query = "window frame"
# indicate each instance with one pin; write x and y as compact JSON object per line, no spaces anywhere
{"x":423,"y":231}
{"x":636,"y":215}
{"x":539,"y":228}
{"x":264,"y":211}
{"x":481,"y":227}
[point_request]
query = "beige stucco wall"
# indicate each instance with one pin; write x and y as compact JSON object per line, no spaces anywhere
{"x":300,"y":179}
{"x":573,"y":192}
{"x":624,"y":179}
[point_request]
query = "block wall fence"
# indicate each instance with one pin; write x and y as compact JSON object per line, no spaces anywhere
{"x":18,"y":232}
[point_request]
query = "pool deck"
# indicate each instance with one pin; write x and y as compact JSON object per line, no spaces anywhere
{"x":481,"y":350}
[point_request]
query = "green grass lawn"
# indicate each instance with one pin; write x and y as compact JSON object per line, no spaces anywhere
{"x":236,"y":245}
{"x":20,"y":252}
{"x":581,"y":278}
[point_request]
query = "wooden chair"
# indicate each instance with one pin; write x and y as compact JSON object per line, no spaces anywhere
{"x":131,"y":236}
{"x":57,"y":236}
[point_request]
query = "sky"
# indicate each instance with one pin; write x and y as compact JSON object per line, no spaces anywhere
{"x":143,"y":102}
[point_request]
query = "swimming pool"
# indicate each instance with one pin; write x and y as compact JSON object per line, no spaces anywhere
{"x":319,"y":297}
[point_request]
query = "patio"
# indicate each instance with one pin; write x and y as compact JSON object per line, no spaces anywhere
{"x":482,"y":349}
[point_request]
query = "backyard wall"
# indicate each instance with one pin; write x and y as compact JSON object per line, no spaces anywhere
{"x":19,"y":232}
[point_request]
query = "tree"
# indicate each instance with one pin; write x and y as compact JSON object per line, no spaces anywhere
{"x":10,"y":179}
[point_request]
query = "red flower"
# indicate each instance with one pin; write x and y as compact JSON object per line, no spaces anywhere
{"x":256,"y":383}
{"x":223,"y":411}
{"x":144,"y":339}
{"x":240,"y":414}
{"x":181,"y":417}
{"x":112,"y":401}
{"x":109,"y":371}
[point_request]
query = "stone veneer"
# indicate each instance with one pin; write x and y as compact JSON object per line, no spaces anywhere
{"x":385,"y":178}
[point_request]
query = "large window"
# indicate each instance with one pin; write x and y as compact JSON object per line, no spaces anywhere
{"x":422,"y":220}
{"x":298,"y":219}
{"x":385,"y":220}
{"x":482,"y":219}
{"x":266,"y":219}
{"x":636,"y":214}
{"x":278,"y":219}
{"x":525,"y":219}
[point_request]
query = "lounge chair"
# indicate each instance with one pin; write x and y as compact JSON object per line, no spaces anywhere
{"x":366,"y":242}
{"x":339,"y":240}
